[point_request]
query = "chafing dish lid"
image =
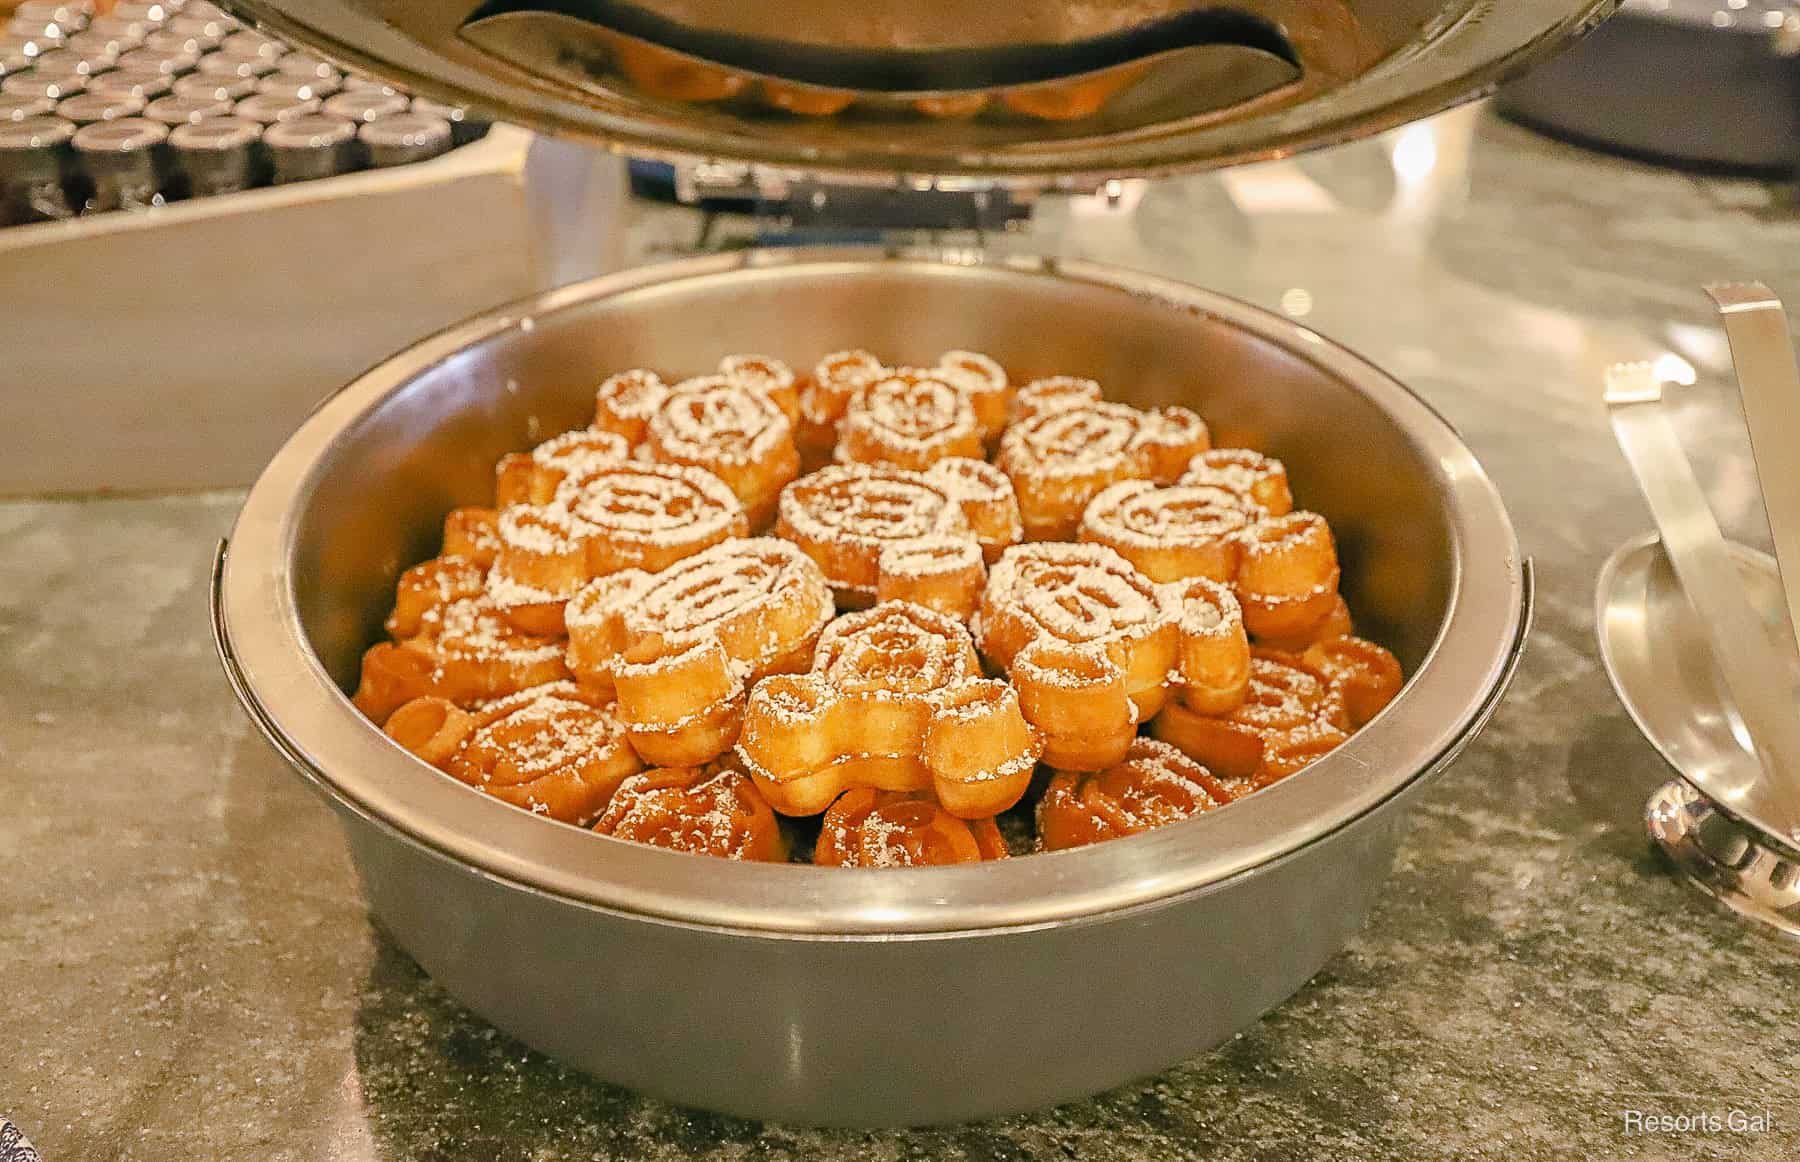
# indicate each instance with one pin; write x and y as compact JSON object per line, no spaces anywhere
{"x":1034,"y":92}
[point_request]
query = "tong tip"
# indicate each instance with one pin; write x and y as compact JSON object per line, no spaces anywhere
{"x":1632,"y":383}
{"x":1741,"y":296}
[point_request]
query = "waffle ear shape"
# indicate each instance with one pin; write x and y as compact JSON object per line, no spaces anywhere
{"x":1065,"y":454}
{"x":1214,"y":659}
{"x":1078,"y":699}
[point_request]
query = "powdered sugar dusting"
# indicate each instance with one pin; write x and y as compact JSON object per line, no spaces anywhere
{"x":761,"y":373}
{"x":717,"y":419}
{"x":646,"y":506}
{"x":1242,"y":472}
{"x":1074,"y":593}
{"x":1074,"y":441}
{"x":1208,"y":609}
{"x":473,"y":628}
{"x":1141,"y":515}
{"x":631,"y":395}
{"x":542,"y":732}
{"x":971,"y":481}
{"x":912,"y":410}
{"x":897,"y":648}
{"x":930,"y":556}
{"x":703,"y":811}
{"x":862,"y":504}
{"x":972,"y":371}
{"x":1053,"y":394}
{"x":759,"y":599}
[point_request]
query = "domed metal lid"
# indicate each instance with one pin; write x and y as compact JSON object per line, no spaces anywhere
{"x":1034,"y":92}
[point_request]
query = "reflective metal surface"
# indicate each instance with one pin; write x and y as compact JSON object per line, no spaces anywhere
{"x":1657,"y":655}
{"x":1768,"y":381}
{"x":1759,"y":672}
{"x":1725,"y":859}
{"x":1034,"y":94}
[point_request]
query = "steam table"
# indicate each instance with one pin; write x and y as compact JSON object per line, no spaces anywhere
{"x":187,"y":971}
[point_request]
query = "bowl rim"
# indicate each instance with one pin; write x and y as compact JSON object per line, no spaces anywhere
{"x":285,"y":687}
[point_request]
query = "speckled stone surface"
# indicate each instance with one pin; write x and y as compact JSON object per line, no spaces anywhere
{"x":187,"y":970}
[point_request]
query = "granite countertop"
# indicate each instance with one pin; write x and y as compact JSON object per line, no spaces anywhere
{"x":189,"y":972}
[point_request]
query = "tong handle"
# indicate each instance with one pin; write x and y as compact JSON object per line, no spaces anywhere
{"x":1769,"y":382}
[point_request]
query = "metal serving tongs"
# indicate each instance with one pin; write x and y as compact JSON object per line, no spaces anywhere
{"x":1733,"y":826}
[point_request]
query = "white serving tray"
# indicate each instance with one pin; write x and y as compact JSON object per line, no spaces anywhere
{"x":176,"y":348}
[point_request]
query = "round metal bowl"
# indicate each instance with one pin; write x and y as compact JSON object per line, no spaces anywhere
{"x":842,"y":997}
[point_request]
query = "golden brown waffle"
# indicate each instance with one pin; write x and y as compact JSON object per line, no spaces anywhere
{"x":1152,"y":786}
{"x":894,"y":701}
{"x":682,"y":647}
{"x":712,"y":810}
{"x":869,"y":828}
{"x":611,"y":611}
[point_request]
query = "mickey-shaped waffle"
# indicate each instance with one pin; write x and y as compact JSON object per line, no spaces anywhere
{"x":682,"y":647}
{"x":774,"y":380}
{"x":612,"y":611}
{"x":984,"y":383}
{"x":532,"y":477}
{"x":1288,"y":582}
{"x":551,"y":749}
{"x":1091,"y":644}
{"x":824,"y":398}
{"x":737,"y":424}
{"x":732,"y":430}
{"x":711,"y":810}
{"x":471,"y":542}
{"x":1168,"y":534}
{"x":1289,"y":717}
{"x":870,"y":828}
{"x":1053,"y":393}
{"x":426,"y":588}
{"x":472,"y":533}
{"x":465,"y":652}
{"x":1258,"y":481}
{"x":610,"y":517}
{"x":895,"y":701}
{"x":877,"y":530}
{"x":1059,"y":460}
{"x":1153,"y":785}
{"x":1231,"y":519}
{"x":1363,"y":676}
{"x":908,"y":418}
{"x":1260,"y":715}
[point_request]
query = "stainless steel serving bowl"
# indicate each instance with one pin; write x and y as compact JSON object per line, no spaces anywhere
{"x":846,"y":997}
